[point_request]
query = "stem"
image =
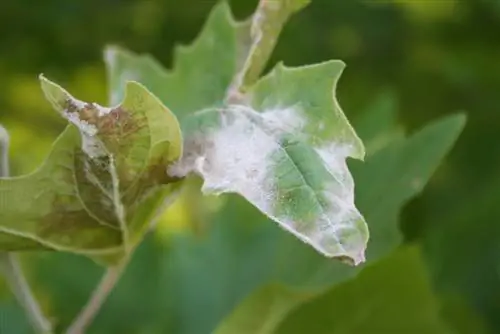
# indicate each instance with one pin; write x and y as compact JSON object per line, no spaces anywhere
{"x":97,"y":299}
{"x":4,"y":152}
{"x":267,"y":23}
{"x":10,"y":264}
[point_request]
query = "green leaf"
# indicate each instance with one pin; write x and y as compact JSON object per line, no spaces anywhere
{"x":402,"y":170}
{"x":202,"y":72}
{"x":103,"y":182}
{"x":377,"y":300}
{"x":312,"y":198}
{"x":384,"y":183}
{"x":393,"y":296}
{"x":377,"y":126}
{"x":285,"y":153}
{"x":206,"y":277}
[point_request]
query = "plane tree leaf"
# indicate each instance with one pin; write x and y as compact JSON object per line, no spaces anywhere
{"x":245,"y":263}
{"x":285,"y":151}
{"x":282,"y":144}
{"x":103,"y":182}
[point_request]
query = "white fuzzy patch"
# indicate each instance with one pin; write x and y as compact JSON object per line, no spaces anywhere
{"x":238,"y":158}
{"x":284,"y":120}
{"x":334,"y":155}
{"x":91,"y":145}
{"x":233,"y":159}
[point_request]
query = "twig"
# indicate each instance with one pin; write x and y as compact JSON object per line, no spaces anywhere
{"x":10,"y":264}
{"x":4,"y":152}
{"x":97,"y":299}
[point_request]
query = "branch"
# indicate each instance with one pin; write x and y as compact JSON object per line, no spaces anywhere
{"x":267,"y":23}
{"x":10,"y":264}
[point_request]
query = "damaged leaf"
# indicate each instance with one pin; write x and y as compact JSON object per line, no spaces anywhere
{"x":281,"y":143}
{"x":285,"y":152}
{"x":103,"y":182}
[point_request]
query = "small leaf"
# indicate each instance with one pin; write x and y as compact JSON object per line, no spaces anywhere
{"x":103,"y":182}
{"x":285,"y":153}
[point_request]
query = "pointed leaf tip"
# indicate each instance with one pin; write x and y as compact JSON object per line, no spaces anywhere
{"x":54,"y":93}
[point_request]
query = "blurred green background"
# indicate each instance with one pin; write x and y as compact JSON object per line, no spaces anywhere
{"x":433,"y":57}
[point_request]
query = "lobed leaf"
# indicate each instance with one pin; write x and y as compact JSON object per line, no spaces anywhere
{"x":206,"y":278}
{"x":102,"y":183}
{"x":389,"y":177}
{"x":283,"y":147}
{"x":285,"y":153}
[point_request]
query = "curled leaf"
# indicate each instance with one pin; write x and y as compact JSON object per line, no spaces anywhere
{"x":102,"y":183}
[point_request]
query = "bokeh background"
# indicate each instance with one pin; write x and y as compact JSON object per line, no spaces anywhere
{"x":432,"y":57}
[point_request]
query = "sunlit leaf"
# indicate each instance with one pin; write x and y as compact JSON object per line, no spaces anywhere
{"x":103,"y":182}
{"x":283,"y":148}
{"x":285,"y":152}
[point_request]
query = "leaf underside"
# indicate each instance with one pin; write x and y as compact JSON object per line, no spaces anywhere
{"x":103,"y":182}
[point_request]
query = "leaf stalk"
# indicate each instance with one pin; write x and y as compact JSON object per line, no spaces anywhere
{"x":98,"y":298}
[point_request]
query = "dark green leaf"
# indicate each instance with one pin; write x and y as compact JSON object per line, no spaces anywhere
{"x":392,"y":296}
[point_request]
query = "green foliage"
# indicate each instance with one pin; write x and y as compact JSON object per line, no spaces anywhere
{"x":278,"y":146}
{"x":206,"y":277}
{"x":278,"y":143}
{"x":101,"y":185}
{"x":392,"y":296}
{"x":212,"y":58}
{"x":379,"y":199}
